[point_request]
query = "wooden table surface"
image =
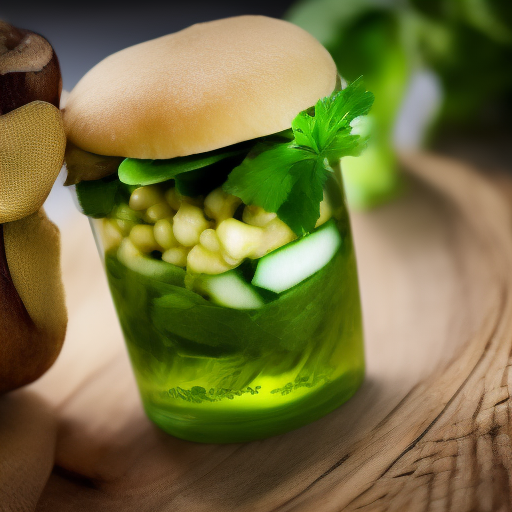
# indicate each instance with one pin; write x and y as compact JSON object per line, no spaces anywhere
{"x":428,"y":430}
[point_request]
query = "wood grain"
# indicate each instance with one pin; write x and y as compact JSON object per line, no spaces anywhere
{"x":428,"y":431}
{"x":28,"y":431}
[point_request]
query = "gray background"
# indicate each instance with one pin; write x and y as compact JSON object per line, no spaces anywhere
{"x":83,"y":33}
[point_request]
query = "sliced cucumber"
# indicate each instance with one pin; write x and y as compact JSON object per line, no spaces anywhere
{"x":132,"y":258}
{"x":230,"y":290}
{"x":298,"y":260}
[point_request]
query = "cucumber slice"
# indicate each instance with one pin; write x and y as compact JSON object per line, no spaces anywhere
{"x":230,"y":290}
{"x":132,"y":258}
{"x":291,"y":264}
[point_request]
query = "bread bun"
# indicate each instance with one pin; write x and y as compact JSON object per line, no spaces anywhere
{"x":211,"y":85}
{"x":33,"y":315}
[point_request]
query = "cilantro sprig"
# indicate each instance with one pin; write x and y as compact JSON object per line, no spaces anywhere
{"x":287,"y":177}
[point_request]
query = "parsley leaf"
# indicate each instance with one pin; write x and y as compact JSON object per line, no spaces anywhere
{"x":287,"y":176}
{"x":307,"y":192}
{"x":263,"y":178}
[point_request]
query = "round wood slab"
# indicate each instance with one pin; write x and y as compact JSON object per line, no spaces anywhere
{"x":428,"y":430}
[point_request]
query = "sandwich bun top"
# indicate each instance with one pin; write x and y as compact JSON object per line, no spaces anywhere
{"x":211,"y":85}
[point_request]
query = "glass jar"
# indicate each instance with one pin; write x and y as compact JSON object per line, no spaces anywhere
{"x":232,"y":346}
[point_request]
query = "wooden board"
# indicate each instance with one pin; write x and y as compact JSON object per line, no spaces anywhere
{"x":429,"y":429}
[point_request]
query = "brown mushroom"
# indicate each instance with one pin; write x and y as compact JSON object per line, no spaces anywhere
{"x":29,"y":69}
{"x":32,"y":309}
{"x":84,"y":166}
{"x":33,"y":315}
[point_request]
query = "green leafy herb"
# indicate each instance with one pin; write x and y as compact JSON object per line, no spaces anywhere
{"x":147,"y":172}
{"x":97,"y":198}
{"x":287,"y":177}
{"x":391,"y":42}
{"x":204,"y":180}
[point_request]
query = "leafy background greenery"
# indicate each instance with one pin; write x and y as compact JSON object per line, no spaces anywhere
{"x":466,"y":43}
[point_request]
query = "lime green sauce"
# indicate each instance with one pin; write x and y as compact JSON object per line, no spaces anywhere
{"x":209,"y":373}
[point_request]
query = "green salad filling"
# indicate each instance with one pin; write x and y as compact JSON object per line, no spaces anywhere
{"x":233,"y":272}
{"x":283,"y":173}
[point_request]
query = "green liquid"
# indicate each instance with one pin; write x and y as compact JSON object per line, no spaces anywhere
{"x":213,"y":374}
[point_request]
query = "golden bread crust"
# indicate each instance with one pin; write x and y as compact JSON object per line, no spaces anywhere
{"x":211,"y":85}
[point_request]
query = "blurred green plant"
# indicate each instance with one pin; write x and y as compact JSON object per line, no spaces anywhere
{"x":462,"y":49}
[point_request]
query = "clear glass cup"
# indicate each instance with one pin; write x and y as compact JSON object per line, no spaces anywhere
{"x":247,"y":362}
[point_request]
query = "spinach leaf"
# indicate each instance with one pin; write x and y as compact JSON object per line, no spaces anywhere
{"x":147,"y":172}
{"x":97,"y":198}
{"x":204,"y":180}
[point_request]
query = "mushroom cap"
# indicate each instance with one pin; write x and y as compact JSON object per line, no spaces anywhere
{"x":29,"y":69}
{"x":208,"y":86}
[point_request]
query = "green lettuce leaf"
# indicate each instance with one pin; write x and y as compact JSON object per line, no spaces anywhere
{"x":133,"y":171}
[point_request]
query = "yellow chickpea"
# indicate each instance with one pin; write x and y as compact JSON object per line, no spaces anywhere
{"x":144,"y":197}
{"x":202,"y":261}
{"x":220,"y":205}
{"x":164,"y":234}
{"x":142,"y":236}
{"x":173,"y":199}
{"x":325,"y":212}
{"x":158,"y":211}
{"x":188,"y":224}
{"x":176,"y":256}
{"x":209,"y":240}
{"x":111,"y":234}
{"x":257,"y":216}
{"x":239,"y":240}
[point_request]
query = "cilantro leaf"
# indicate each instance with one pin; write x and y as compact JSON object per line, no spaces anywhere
{"x":301,"y":209}
{"x":287,"y":176}
{"x":263,"y":178}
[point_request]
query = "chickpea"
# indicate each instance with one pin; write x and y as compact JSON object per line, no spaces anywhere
{"x":275,"y":234}
{"x":209,"y":240}
{"x":239,"y":240}
{"x":144,"y":197}
{"x":111,"y":234}
{"x":220,"y":205}
{"x":173,"y":199}
{"x":231,"y":261}
{"x":158,"y":211}
{"x":164,"y":234}
{"x":124,"y":226}
{"x":142,"y":236}
{"x":188,"y":224}
{"x":176,"y":256}
{"x":257,"y":216}
{"x":203,"y":261}
{"x":325,"y":212}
